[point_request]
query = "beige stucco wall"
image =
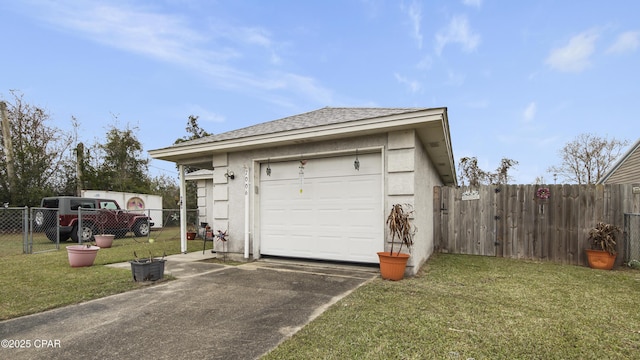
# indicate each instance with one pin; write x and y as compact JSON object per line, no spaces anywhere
{"x":409,"y":177}
{"x":426,"y":178}
{"x":229,"y":213}
{"x":410,"y":180}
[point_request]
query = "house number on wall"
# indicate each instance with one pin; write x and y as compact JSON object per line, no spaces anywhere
{"x":246,"y":181}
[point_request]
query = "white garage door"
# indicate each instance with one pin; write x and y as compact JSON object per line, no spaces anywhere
{"x":331,"y":211}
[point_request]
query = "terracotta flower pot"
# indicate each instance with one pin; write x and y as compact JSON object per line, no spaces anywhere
{"x":81,"y":255}
{"x":191,"y":235}
{"x":599,"y":259}
{"x":392,"y":266}
{"x":104,"y":240}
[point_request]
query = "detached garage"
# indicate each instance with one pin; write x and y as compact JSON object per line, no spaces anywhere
{"x":319,"y":185}
{"x":331,"y":211}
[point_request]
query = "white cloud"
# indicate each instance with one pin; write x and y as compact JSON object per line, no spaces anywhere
{"x":426,"y":63}
{"x":455,"y":78}
{"x":413,"y":85}
{"x":415,"y":15}
{"x":626,"y":42}
{"x":473,"y":3}
{"x":529,"y":112}
{"x":173,"y":39}
{"x":206,"y":115}
{"x":457,"y":31}
{"x":478,"y":104}
{"x":575,"y":56}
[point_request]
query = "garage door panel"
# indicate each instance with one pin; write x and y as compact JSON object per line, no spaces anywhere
{"x":338,"y":216}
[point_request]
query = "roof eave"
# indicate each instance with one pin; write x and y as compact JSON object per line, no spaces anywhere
{"x":619,"y":162}
{"x":424,"y":121}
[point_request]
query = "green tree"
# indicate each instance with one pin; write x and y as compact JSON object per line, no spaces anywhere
{"x":117,"y":164}
{"x":194,"y":131}
{"x":38,"y":150}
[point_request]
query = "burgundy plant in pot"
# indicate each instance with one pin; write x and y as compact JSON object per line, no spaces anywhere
{"x":602,"y":254}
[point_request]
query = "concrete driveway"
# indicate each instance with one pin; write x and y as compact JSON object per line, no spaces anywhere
{"x":212,"y":311}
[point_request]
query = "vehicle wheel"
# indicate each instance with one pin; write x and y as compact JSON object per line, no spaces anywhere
{"x":141,"y":228}
{"x":51,"y":234}
{"x":86,"y":233}
{"x":121,"y":233}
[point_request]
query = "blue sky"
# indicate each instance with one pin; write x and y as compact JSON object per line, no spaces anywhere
{"x":519,"y":78}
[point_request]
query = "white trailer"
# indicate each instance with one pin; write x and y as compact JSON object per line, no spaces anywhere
{"x":133,"y":202}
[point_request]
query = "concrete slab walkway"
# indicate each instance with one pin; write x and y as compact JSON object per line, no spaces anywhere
{"x":212,"y":311}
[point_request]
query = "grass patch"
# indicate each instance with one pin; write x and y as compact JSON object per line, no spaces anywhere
{"x":461,"y":307}
{"x":38,"y":282}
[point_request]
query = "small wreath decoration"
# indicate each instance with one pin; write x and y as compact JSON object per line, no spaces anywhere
{"x":543,"y":193}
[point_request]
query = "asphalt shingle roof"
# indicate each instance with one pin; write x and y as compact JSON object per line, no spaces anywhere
{"x":320,"y":117}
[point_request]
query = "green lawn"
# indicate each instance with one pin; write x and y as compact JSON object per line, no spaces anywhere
{"x":463,"y":307}
{"x":37,"y":282}
{"x":457,"y":307}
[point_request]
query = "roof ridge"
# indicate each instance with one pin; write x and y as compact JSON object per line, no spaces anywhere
{"x":319,"y":117}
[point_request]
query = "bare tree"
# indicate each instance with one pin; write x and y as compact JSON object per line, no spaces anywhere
{"x":475,"y":176}
{"x":471,"y":172}
{"x":501,"y":175}
{"x":587,"y":158}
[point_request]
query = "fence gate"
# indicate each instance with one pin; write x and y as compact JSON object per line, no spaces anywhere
{"x":469,"y":220}
{"x":632,"y":237}
{"x":14,"y":229}
{"x":44,"y":231}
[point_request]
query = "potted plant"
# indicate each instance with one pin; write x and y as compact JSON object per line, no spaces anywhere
{"x":82,"y":255}
{"x":102,"y":239}
{"x":191,"y":232}
{"x":401,"y":230}
{"x":602,"y":238}
{"x":147,"y":268}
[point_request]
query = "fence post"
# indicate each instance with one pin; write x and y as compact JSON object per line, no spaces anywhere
{"x":79,"y":226}
{"x":27,"y":247}
{"x":437,"y":219}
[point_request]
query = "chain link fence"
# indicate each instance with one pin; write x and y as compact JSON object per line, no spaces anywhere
{"x":14,"y":228}
{"x":632,"y":240}
{"x":36,"y":230}
{"x":43,"y":235}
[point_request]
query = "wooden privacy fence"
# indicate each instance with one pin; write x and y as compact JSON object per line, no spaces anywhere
{"x":512,"y":221}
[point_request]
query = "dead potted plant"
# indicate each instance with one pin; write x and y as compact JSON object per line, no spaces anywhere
{"x":602,"y":238}
{"x":147,"y":268}
{"x":401,"y":230}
